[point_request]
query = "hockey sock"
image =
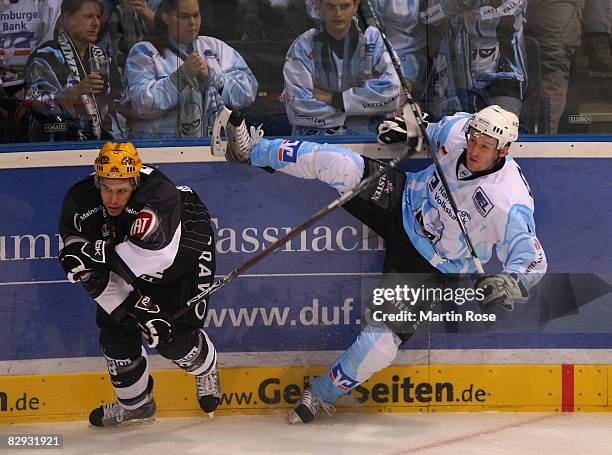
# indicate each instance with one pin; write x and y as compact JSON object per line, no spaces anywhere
{"x":130,"y":378}
{"x":374,"y":349}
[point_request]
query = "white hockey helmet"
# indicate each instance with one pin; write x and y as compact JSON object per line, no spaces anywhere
{"x":496,"y":122}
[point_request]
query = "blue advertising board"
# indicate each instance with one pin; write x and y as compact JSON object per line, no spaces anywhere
{"x":306,"y":296}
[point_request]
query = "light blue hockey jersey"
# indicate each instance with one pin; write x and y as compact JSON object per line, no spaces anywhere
{"x":155,"y":98}
{"x":363,"y":104}
{"x":496,"y":208}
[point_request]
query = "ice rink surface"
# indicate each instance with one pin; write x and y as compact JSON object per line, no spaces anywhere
{"x":354,"y":434}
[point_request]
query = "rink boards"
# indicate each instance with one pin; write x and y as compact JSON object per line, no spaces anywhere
{"x":434,"y":388}
{"x":306,"y":296}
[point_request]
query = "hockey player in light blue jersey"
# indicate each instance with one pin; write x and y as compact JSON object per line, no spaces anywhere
{"x":411,"y":211}
{"x":338,"y":79}
{"x":178,"y":83}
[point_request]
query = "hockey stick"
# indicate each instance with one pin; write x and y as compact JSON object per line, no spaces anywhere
{"x":370,"y":18}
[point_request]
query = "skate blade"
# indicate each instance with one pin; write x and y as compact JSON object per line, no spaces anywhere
{"x":217,"y":144}
{"x":293,"y":418}
{"x":145,"y":421}
{"x":128,"y":423}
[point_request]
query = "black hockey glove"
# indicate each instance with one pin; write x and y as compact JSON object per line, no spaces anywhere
{"x":79,"y":257}
{"x":391,"y":131}
{"x":154,"y":323}
{"x":502,"y":290}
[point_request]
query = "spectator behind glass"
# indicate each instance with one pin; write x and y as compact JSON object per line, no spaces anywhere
{"x":179,"y":80}
{"x":124,"y":23}
{"x":63,"y":92}
{"x":25,"y":25}
{"x":556,"y":25}
{"x":480,"y":55}
{"x":338,"y":79}
{"x":400,"y":20}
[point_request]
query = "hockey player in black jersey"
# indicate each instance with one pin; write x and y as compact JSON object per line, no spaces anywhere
{"x":141,"y":247}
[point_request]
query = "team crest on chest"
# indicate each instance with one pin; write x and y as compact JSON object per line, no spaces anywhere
{"x":482,"y":203}
{"x":145,"y":224}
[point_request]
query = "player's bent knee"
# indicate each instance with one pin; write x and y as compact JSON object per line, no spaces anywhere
{"x":191,"y":350}
{"x":183,"y":340}
{"x":380,"y":355}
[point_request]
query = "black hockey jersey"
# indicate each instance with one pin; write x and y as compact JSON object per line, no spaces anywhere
{"x":148,"y":235}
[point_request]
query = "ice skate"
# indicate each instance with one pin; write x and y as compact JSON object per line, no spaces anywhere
{"x":115,"y":414}
{"x":241,"y":139}
{"x":308,"y":407}
{"x":209,"y":391}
